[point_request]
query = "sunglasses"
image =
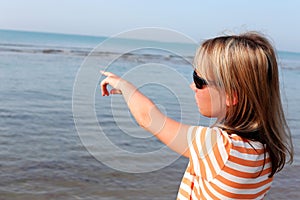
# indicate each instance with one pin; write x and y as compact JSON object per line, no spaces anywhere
{"x":199,"y":82}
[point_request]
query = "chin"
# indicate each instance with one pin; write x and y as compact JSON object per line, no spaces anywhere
{"x":205,"y":114}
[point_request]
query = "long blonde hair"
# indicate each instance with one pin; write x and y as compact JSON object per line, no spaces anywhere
{"x":245,"y":67}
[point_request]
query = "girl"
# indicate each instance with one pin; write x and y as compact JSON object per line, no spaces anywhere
{"x":236,"y":81}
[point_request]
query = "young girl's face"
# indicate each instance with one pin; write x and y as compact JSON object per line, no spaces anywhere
{"x":211,"y":102}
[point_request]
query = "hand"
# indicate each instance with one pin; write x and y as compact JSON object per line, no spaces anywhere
{"x":112,"y":80}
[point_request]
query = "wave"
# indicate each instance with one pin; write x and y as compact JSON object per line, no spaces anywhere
{"x":24,"y":48}
{"x":80,"y":51}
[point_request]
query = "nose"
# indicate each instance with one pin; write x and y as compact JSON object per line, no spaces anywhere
{"x":193,"y":87}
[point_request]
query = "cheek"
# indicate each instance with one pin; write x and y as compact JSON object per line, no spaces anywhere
{"x":209,"y":103}
{"x":203,"y":101}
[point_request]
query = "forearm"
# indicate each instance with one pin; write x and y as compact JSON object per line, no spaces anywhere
{"x":142,"y":108}
{"x":148,"y":116}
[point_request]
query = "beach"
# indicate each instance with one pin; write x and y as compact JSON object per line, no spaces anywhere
{"x":42,"y":155}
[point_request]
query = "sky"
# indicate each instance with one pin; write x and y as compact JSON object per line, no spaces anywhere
{"x":198,"y":19}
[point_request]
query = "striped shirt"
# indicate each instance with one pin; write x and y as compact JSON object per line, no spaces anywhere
{"x":224,"y":166}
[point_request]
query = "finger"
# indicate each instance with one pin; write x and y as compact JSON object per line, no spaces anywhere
{"x":104,"y":90}
{"x":106,"y":73}
{"x":115,"y":91}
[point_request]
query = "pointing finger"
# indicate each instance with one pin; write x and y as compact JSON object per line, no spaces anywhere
{"x":106,"y":73}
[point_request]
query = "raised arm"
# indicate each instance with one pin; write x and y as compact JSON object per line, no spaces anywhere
{"x":147,"y":115}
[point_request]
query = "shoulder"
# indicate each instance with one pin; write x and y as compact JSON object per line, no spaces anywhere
{"x":209,"y":142}
{"x":209,"y":137}
{"x":202,"y":133}
{"x":209,"y":148}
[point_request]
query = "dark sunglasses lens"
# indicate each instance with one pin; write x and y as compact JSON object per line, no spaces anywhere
{"x":199,"y":82}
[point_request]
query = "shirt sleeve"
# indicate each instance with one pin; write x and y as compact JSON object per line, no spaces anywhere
{"x":209,"y":151}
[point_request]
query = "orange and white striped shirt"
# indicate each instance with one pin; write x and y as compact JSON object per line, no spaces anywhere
{"x":224,"y":166}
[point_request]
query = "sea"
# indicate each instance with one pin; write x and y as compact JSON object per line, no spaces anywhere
{"x":61,"y":139}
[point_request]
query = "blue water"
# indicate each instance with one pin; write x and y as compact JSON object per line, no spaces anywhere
{"x":41,"y":154}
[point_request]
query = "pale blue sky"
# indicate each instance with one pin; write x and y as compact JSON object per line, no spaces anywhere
{"x":198,"y":19}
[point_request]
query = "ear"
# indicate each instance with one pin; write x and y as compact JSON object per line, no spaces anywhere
{"x":232,"y":102}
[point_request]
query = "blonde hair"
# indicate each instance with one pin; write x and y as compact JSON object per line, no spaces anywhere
{"x":245,"y":67}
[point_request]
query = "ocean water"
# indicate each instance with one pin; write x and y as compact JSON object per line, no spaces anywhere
{"x":42,"y":154}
